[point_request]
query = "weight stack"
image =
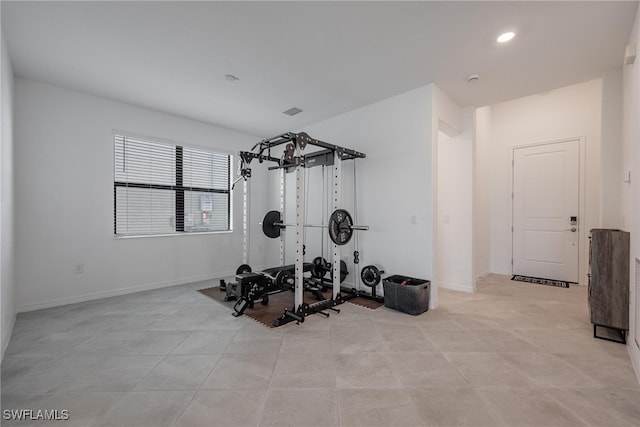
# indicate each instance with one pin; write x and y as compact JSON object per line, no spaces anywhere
{"x":407,"y":294}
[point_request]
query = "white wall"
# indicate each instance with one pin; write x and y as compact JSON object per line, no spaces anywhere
{"x":455,"y":207}
{"x":611,"y":150}
{"x":394,"y":182}
{"x":569,"y":112}
{"x":482,"y":191}
{"x":64,"y":203}
{"x":7,"y":270}
{"x":631,"y":192}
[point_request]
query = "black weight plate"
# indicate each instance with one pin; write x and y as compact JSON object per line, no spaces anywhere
{"x":343,"y":271}
{"x":279,"y":279}
{"x":370,"y":276}
{"x":244,"y":268}
{"x":282,"y":280}
{"x":269,"y":227}
{"x":340,"y":223}
{"x":319,"y":268}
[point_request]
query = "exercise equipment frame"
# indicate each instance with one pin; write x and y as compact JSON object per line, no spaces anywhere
{"x":295,"y":160}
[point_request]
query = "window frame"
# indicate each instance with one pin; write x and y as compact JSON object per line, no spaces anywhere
{"x":179,"y":189}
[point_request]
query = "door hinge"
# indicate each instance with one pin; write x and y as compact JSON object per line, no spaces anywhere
{"x":512,"y":228}
{"x":512,"y":262}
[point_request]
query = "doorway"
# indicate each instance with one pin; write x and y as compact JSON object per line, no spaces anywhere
{"x":546,"y":200}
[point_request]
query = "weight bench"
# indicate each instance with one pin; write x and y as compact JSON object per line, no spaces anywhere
{"x":291,"y":268}
{"x":251,"y":287}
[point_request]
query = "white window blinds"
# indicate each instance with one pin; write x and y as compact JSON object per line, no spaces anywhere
{"x":162,"y":188}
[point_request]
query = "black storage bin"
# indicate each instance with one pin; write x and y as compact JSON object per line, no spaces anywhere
{"x":406,"y":294}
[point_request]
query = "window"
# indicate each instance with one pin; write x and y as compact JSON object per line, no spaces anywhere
{"x":162,"y":188}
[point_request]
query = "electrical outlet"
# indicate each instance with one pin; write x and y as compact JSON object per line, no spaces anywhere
{"x":413,"y":219}
{"x":445,"y":219}
{"x":79,"y":268}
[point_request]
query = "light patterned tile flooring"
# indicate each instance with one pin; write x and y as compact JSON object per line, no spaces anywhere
{"x":513,"y":354}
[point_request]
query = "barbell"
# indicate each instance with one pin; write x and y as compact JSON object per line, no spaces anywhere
{"x":340,"y":226}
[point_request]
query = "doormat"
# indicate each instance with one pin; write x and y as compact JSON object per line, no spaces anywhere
{"x":540,"y":281}
{"x":266,"y":314}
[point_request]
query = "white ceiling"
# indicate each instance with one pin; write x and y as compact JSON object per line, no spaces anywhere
{"x":324,"y":57}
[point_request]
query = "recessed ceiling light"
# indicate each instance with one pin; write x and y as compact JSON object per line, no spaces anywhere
{"x":231,"y":77}
{"x":505,"y":37}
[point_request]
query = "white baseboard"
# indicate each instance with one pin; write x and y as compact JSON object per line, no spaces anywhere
{"x":483,"y":275}
{"x":255,"y":269}
{"x":433,"y":302}
{"x":455,"y":287}
{"x":120,"y":291}
{"x":6,"y":343}
{"x":634,"y":355}
{"x":349,"y":284}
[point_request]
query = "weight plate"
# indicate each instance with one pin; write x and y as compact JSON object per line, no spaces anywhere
{"x":269,"y":227}
{"x":319,"y":268}
{"x":370,"y":276}
{"x":244,"y":268}
{"x":340,"y":223}
{"x":283,"y":280}
{"x":343,"y":271}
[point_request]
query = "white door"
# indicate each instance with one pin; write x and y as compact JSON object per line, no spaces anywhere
{"x":545,"y":201}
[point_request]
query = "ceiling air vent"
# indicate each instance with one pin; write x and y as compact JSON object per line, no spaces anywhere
{"x":292,"y":111}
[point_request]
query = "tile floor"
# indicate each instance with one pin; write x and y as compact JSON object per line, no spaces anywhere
{"x":514,"y":354}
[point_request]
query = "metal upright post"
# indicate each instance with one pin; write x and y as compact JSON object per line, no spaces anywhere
{"x":336,"y":202}
{"x":283,"y":187}
{"x":245,"y":222}
{"x":299,"y":280}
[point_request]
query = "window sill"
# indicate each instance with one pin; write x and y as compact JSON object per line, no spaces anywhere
{"x":146,"y":236}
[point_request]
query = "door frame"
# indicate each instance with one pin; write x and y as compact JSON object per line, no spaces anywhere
{"x":582,"y":225}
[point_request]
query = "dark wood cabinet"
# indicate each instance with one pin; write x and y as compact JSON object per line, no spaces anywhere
{"x":609,"y":282}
